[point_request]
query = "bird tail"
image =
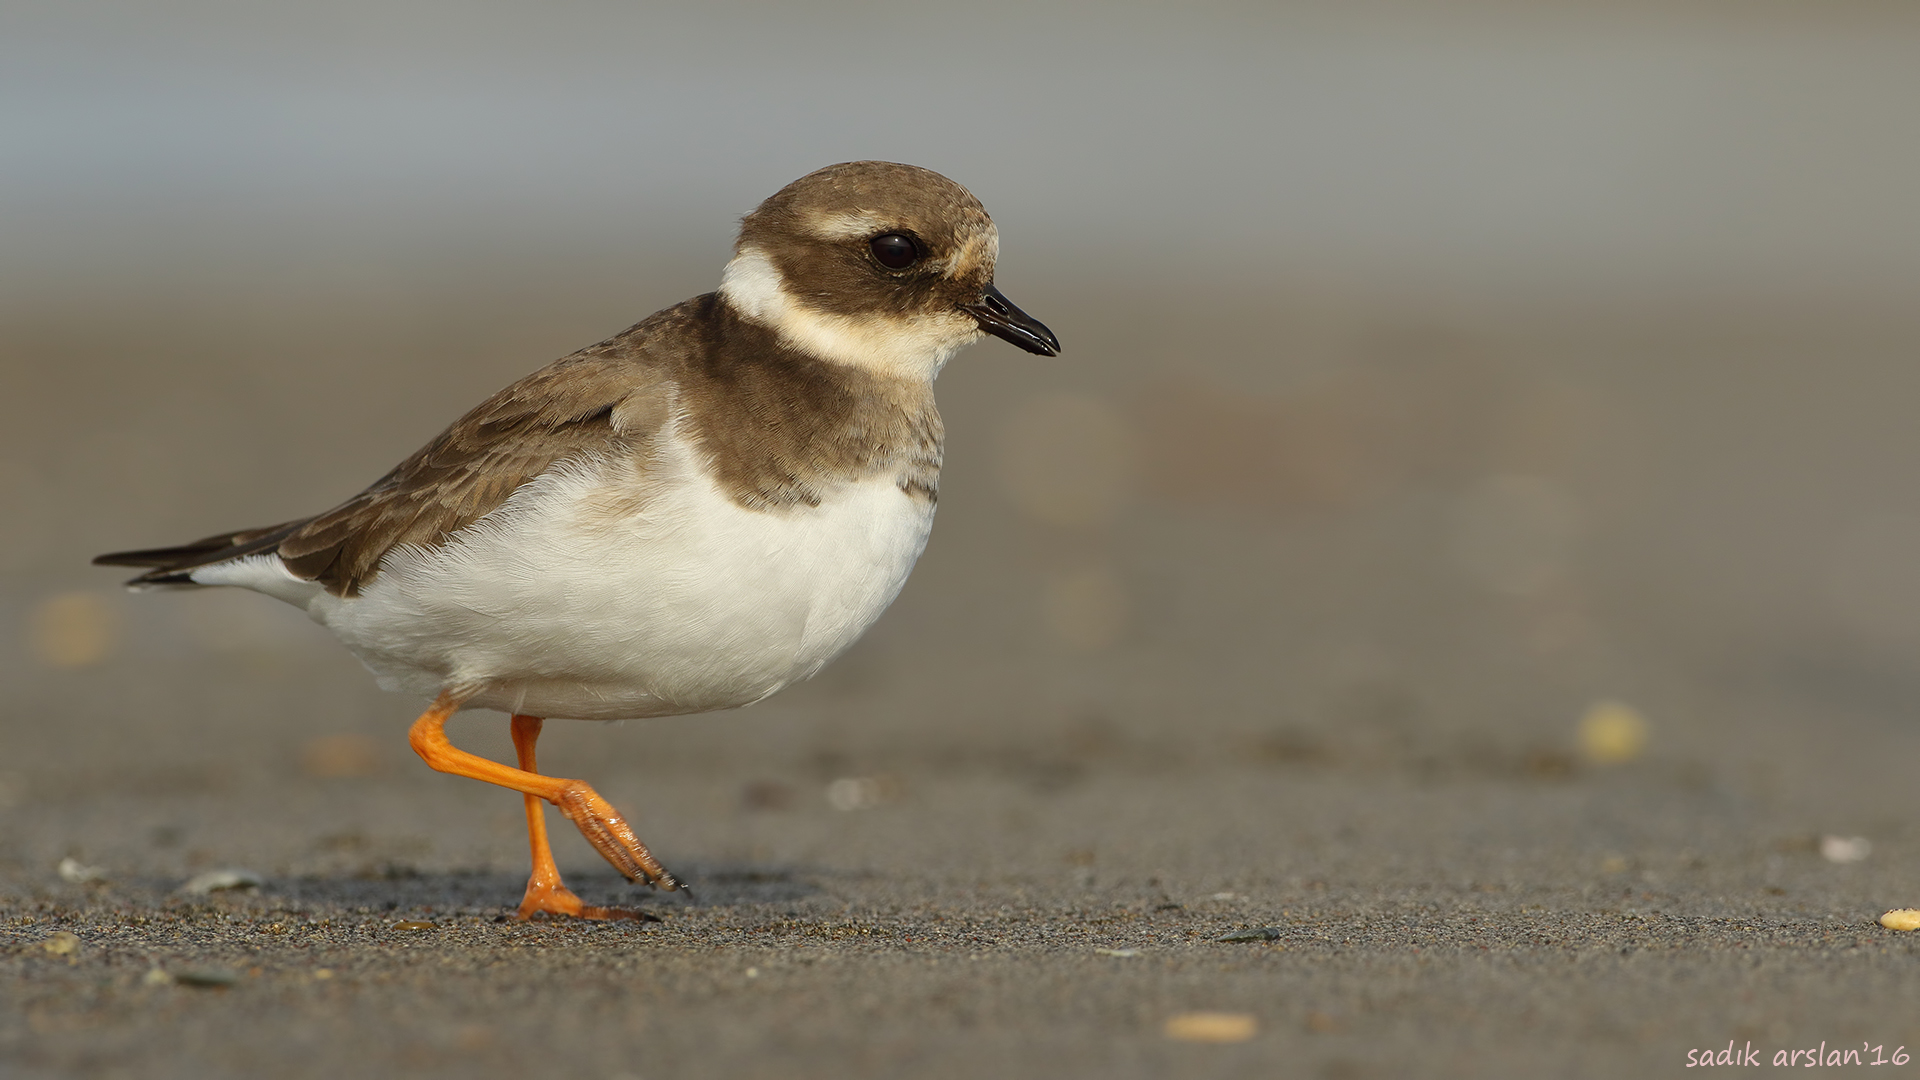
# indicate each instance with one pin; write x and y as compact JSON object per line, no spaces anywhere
{"x":175,"y":565}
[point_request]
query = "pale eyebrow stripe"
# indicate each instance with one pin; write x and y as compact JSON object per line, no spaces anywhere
{"x":846,"y":225}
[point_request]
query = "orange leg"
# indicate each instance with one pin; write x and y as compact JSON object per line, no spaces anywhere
{"x":592,"y":815}
{"x":544,"y":889}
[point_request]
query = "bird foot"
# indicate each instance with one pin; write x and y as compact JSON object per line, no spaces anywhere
{"x":553,"y":900}
{"x":610,"y":835}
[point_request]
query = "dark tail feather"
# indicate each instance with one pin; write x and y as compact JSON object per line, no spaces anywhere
{"x":167,"y":556}
{"x":175,"y":565}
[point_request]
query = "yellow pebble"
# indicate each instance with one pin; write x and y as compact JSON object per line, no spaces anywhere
{"x":61,"y":944}
{"x":1612,"y":732}
{"x":74,"y":630}
{"x":1901,"y":919}
{"x":1214,"y":1027}
{"x":339,"y":756}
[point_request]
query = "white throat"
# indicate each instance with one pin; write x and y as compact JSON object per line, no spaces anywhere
{"x":898,"y":346}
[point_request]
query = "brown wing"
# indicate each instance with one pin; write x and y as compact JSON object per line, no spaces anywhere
{"x":562,"y":411}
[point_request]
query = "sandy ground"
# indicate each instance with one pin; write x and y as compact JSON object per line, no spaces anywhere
{"x":1308,"y":669}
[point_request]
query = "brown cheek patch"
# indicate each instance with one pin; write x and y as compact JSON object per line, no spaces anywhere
{"x":836,"y":279}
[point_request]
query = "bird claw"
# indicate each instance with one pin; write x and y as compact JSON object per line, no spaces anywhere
{"x":610,"y":835}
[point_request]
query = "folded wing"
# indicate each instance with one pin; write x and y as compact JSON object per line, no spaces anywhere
{"x":590,"y":402}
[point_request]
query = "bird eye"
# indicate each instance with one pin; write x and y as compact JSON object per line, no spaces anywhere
{"x":894,"y":251}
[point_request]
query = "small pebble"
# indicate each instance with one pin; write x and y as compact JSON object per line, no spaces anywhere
{"x":1612,"y":733}
{"x":156,"y":977}
{"x":862,"y":792}
{"x":1901,"y":919}
{"x":206,"y":976}
{"x":61,"y":944}
{"x":1213,"y":1027}
{"x":73,"y":871}
{"x":416,"y":924}
{"x":1263,"y":933}
{"x":222,"y":880}
{"x":1845,"y":849}
{"x":74,"y":629}
{"x":323,"y":973}
{"x":1123,"y":953}
{"x":340,"y":756}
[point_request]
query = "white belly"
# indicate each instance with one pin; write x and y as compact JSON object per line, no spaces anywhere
{"x":587,"y":597}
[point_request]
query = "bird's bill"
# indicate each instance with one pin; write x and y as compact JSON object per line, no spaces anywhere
{"x":1000,"y":317}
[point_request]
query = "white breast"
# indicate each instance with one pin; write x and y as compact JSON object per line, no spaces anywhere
{"x":597,"y":593}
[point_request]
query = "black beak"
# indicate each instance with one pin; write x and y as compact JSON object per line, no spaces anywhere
{"x":998,"y":316}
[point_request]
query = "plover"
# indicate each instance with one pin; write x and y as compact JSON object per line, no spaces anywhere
{"x":686,"y":517}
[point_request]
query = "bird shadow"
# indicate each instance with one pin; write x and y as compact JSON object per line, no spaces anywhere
{"x":403,"y":889}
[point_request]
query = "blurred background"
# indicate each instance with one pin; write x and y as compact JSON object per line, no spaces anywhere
{"x":1512,"y":392}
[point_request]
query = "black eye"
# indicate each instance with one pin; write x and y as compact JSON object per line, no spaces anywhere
{"x":894,"y":251}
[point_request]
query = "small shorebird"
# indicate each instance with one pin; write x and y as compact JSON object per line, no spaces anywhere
{"x":685,"y":517}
